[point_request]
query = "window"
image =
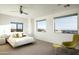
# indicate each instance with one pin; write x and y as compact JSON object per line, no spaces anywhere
{"x":66,"y":24}
{"x":16,"y":27}
{"x":5,"y":29}
{"x":41,"y":25}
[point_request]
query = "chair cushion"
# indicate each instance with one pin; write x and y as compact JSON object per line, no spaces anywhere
{"x":67,"y":43}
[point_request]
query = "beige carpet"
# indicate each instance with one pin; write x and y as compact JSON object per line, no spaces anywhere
{"x":37,"y":48}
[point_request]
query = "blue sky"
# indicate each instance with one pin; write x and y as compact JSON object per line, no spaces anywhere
{"x":67,"y":23}
{"x":41,"y":25}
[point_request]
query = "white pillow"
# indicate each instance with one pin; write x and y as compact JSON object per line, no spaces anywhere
{"x":15,"y":34}
{"x":20,"y":34}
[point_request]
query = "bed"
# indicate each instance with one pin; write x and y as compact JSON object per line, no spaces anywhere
{"x":15,"y":42}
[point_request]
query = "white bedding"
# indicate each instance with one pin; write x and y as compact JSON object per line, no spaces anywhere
{"x":15,"y":42}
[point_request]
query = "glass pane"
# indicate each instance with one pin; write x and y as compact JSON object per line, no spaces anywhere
{"x":41,"y":25}
{"x":13,"y":26}
{"x":66,"y":23}
{"x":16,"y":26}
{"x":19,"y":26}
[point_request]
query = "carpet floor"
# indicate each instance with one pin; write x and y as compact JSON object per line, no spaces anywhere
{"x":37,"y":48}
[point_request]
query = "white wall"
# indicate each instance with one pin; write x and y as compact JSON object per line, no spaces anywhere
{"x":30,"y":26}
{"x":6,"y":19}
{"x":50,"y":35}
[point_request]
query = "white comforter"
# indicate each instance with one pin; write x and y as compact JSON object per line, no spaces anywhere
{"x":15,"y":42}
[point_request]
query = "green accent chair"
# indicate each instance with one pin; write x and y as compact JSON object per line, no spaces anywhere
{"x":73,"y":43}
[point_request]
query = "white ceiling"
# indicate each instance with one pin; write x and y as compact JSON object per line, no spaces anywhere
{"x":34,"y":10}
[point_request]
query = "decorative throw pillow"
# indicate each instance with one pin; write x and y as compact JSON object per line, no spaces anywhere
{"x":24,"y":35}
{"x":13,"y":34}
{"x":17,"y":35}
{"x":20,"y":35}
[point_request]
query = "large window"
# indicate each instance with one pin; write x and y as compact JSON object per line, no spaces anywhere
{"x":16,"y":27}
{"x":66,"y":24}
{"x":41,"y":25}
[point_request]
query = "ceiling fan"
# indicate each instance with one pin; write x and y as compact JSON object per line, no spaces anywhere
{"x":21,"y":11}
{"x":64,"y":5}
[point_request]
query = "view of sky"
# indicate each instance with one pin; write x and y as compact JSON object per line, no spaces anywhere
{"x":41,"y":24}
{"x":66,"y":23}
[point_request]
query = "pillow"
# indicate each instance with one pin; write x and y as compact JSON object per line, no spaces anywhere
{"x":17,"y":35}
{"x":20,"y":34}
{"x":24,"y":35}
{"x":13,"y":35}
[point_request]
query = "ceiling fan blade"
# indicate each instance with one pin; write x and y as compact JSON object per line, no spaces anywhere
{"x":21,"y":11}
{"x":25,"y":13}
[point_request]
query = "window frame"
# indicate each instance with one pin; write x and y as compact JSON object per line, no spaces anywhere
{"x":17,"y":29}
{"x":43,"y":30}
{"x":75,"y":14}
